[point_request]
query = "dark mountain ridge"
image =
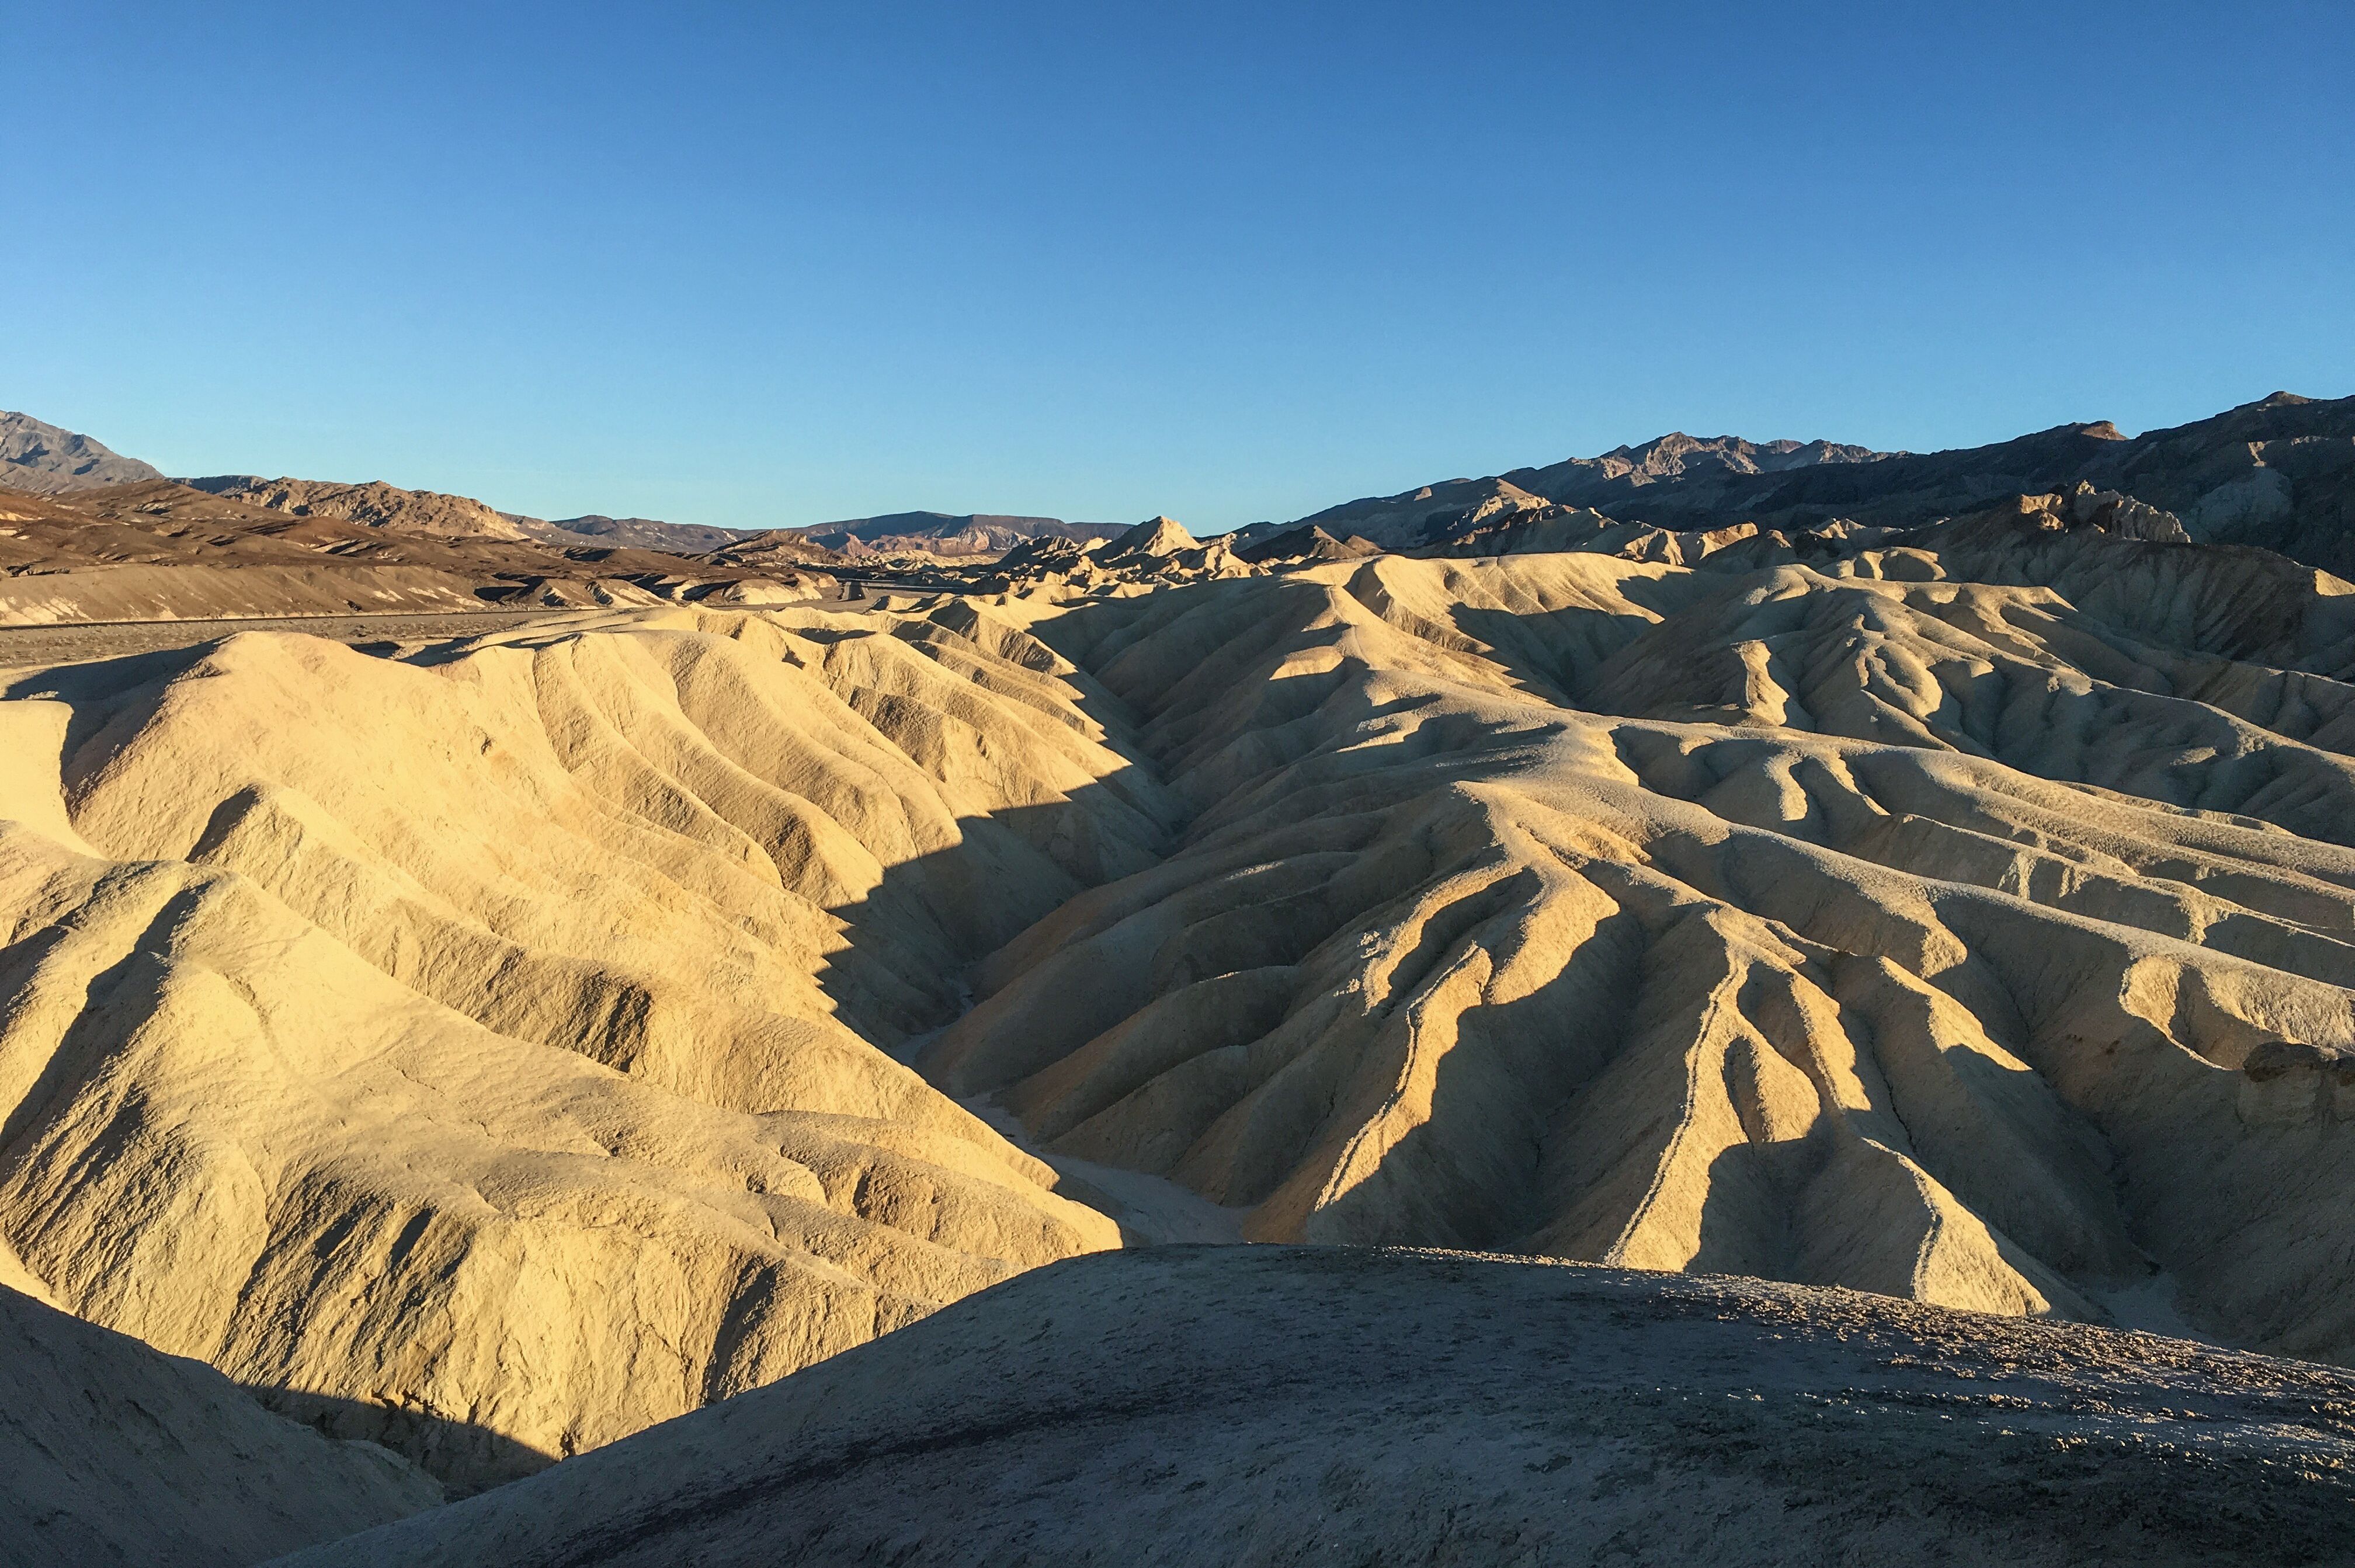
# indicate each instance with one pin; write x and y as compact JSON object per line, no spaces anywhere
{"x":2278,"y":474}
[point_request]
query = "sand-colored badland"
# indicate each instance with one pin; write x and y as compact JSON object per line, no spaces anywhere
{"x":493,"y":1049}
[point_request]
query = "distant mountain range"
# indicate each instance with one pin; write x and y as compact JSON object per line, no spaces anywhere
{"x":944,"y":533}
{"x":2278,"y":473}
{"x":152,"y":548}
{"x":44,"y":459}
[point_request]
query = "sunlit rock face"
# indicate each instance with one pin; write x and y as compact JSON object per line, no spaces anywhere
{"x":497,"y":1047}
{"x":1968,"y":921}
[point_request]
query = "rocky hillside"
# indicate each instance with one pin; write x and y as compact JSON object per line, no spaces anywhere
{"x":629,"y":533}
{"x":1974,"y":925}
{"x":486,"y":1055}
{"x":155,"y":550}
{"x":2279,"y":473}
{"x":1874,"y":930}
{"x":374,"y":505}
{"x":112,"y":1453}
{"x":497,"y":1049}
{"x":41,"y":459}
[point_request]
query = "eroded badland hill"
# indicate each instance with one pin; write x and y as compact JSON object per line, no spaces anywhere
{"x":480,"y":1051}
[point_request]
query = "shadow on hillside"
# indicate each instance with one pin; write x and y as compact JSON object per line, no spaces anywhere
{"x":1530,"y":1070}
{"x":464,"y":1457}
{"x":1213,"y":717}
{"x":913,"y":939}
{"x":101,"y":690}
{"x":1482,"y":1169}
{"x":1551,"y":654}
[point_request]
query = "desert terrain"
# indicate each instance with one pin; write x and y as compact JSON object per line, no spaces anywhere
{"x":1550,"y":1017}
{"x":1268,"y":1405}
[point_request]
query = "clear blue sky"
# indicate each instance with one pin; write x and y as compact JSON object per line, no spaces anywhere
{"x":757,"y":265}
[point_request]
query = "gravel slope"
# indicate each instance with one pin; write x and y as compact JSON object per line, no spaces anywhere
{"x":1282,"y":1406}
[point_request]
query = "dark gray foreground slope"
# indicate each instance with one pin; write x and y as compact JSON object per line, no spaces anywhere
{"x":1283,"y":1406}
{"x":113,"y":1451}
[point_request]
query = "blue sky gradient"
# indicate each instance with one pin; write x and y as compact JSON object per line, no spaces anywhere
{"x":758,"y":265}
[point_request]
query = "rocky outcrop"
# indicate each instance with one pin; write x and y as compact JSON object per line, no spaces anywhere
{"x":1554,"y":528}
{"x":2113,"y":513}
{"x":1157,"y":553}
{"x":1156,"y":538}
{"x":1416,"y":519}
{"x":939,"y":533}
{"x":1305,"y":545}
{"x":633,"y":533}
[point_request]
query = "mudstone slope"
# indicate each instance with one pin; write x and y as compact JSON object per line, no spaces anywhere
{"x":503,"y":1074}
{"x":1972,"y":927}
{"x":500,"y":1048}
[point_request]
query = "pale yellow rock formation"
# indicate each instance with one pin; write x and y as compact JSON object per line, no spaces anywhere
{"x":479,"y":1054}
{"x":1157,"y":553}
{"x":493,"y":1049}
{"x":1906,"y":935}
